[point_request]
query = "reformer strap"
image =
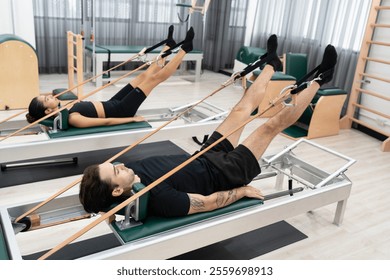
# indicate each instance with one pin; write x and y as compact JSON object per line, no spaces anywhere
{"x":156,"y":46}
{"x":302,"y":83}
{"x":254,"y":65}
{"x":171,"y":49}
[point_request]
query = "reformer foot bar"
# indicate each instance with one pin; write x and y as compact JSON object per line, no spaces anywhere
{"x":199,"y":121}
{"x":315,"y":188}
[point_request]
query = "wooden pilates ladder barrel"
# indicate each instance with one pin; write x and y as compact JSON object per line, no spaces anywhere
{"x":366,"y":95}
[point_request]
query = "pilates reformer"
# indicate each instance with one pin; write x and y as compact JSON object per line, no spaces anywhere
{"x":54,"y":140}
{"x":144,"y":237}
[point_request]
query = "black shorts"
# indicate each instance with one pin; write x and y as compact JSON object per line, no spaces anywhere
{"x":125,"y":103}
{"x":233,"y":167}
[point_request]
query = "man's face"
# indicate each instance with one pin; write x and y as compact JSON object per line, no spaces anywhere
{"x":119,"y":175}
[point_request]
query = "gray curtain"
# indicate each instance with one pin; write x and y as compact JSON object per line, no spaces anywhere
{"x":119,"y":22}
{"x":225,"y":33}
{"x":219,"y":33}
{"x":307,"y":26}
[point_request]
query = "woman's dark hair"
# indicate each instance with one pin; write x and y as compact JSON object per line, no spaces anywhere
{"x":95,"y":195}
{"x":36,"y":110}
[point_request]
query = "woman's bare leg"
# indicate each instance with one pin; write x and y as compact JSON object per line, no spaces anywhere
{"x":155,"y":67}
{"x":152,"y":81}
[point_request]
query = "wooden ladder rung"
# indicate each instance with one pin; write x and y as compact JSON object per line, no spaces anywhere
{"x":370,"y":110}
{"x":382,"y":8}
{"x":378,"y":43}
{"x":370,"y":92}
{"x":375,"y":77}
{"x":380,"y":25}
{"x":370,"y":126}
{"x":376,"y":60}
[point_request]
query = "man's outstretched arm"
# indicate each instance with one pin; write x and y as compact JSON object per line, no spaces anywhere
{"x":200,"y":203}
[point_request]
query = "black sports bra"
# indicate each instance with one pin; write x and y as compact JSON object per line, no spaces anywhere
{"x":84,"y":108}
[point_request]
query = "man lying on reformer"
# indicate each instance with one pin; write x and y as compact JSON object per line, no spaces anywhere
{"x":221,"y":175}
{"x":122,"y":107}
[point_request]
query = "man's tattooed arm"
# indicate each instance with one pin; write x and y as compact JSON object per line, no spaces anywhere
{"x":201,"y":203}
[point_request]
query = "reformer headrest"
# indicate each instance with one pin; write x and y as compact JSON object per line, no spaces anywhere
{"x":138,"y":208}
{"x":141,"y":210}
{"x":61,"y":121}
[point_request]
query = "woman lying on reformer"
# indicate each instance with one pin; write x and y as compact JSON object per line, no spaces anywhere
{"x":122,"y":107}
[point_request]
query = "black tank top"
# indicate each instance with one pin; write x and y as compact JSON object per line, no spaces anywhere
{"x":84,"y":108}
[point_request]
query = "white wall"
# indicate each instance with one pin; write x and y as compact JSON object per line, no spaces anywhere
{"x":381,"y":70}
{"x":17,"y":17}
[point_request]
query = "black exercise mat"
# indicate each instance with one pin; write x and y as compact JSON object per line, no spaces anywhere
{"x":80,"y":249}
{"x":249,"y":245}
{"x":243,"y":247}
{"x":24,"y":175}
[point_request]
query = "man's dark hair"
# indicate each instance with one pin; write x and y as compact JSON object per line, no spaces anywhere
{"x":95,"y":194}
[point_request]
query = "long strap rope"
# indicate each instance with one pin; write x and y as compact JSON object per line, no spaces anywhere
{"x":106,"y":215}
{"x":138,"y":55}
{"x":229,"y":82}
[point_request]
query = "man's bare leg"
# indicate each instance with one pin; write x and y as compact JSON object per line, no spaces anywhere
{"x":244,"y":108}
{"x":259,"y":140}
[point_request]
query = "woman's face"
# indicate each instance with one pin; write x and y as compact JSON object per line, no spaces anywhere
{"x":49,"y":101}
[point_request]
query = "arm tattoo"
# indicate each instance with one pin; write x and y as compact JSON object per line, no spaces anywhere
{"x":226,"y":197}
{"x":197,"y":204}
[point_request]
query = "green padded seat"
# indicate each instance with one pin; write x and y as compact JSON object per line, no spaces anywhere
{"x":154,"y":225}
{"x":74,"y":131}
{"x":3,"y":246}
{"x":65,"y":96}
{"x":66,"y":130}
{"x":184,"y":5}
{"x":12,"y":37}
{"x":330,"y":91}
{"x":248,"y":55}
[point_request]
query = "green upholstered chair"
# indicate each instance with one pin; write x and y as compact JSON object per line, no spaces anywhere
{"x":321,"y":117}
{"x":295,"y":64}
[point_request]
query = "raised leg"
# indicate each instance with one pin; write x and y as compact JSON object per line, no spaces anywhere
{"x":154,"y":68}
{"x":259,"y":140}
{"x":153,"y":80}
{"x":253,"y":96}
{"x":248,"y":103}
